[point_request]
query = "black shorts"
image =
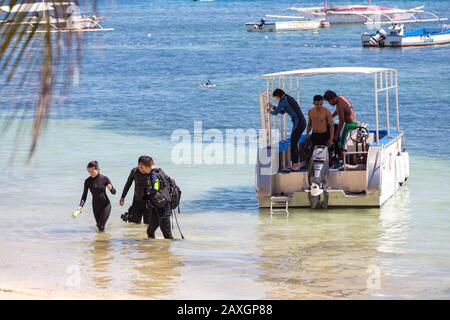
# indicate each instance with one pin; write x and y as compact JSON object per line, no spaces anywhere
{"x":139,"y":211}
{"x":320,"y":139}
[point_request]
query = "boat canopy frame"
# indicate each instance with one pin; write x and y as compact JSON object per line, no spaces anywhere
{"x":413,"y":19}
{"x":385,"y":80}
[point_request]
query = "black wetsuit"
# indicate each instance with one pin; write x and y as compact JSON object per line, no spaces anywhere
{"x":160,"y":217}
{"x":138,"y":209}
{"x":100,"y":202}
{"x":289,"y":105}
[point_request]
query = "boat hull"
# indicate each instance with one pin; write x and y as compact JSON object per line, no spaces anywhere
{"x":408,"y":41}
{"x":283,"y":26}
{"x":386,"y":170}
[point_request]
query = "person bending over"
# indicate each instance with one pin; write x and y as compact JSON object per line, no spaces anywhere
{"x":347,"y":119}
{"x":288,"y":104}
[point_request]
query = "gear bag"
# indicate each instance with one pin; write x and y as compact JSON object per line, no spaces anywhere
{"x":168,"y":192}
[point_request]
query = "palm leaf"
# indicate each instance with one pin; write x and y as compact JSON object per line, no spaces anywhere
{"x":28,"y":44}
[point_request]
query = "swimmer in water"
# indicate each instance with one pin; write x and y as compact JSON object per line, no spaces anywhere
{"x":98,"y":184}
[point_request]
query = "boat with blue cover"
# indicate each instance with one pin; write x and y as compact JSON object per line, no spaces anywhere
{"x":398,"y":37}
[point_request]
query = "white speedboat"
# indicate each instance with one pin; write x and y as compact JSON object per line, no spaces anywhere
{"x":342,"y":14}
{"x":61,"y":16}
{"x":376,"y":164}
{"x":289,"y":23}
{"x":396,"y":36}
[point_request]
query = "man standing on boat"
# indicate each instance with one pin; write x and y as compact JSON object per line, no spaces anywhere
{"x":347,"y":119}
{"x":288,"y":104}
{"x":320,"y":121}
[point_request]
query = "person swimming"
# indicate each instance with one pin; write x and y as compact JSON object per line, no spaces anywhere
{"x":207,"y":84}
{"x":97,"y":184}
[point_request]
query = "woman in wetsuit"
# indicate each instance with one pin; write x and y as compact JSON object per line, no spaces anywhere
{"x":97,"y":184}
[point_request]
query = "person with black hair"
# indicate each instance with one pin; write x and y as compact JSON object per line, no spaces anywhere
{"x":347,"y":119}
{"x":288,"y":104}
{"x":320,"y":122}
{"x":97,"y":184}
{"x":160,"y":215}
{"x":138,"y":210}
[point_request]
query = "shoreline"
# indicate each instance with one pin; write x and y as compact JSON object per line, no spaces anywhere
{"x":15,"y":292}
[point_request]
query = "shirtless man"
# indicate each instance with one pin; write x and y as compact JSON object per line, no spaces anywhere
{"x":347,"y":117}
{"x":321,"y":123}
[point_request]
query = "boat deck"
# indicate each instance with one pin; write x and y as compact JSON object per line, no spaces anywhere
{"x":384,"y":139}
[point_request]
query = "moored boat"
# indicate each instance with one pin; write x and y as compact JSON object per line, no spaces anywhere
{"x":60,"y":16}
{"x":353,"y":14}
{"x":375,"y":166}
{"x":289,"y":23}
{"x":396,"y":36}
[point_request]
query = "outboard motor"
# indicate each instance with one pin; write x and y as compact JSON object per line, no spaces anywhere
{"x":318,"y":169}
{"x":378,"y":39}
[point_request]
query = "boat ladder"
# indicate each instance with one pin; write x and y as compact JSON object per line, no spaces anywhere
{"x":279,"y":204}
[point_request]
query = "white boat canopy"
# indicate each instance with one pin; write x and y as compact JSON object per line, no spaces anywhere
{"x":384,"y":80}
{"x":322,"y":71}
{"x":28,"y":7}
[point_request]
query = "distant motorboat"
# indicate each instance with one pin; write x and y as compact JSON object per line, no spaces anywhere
{"x":397,"y":37}
{"x":63,"y":17}
{"x":296,"y":24}
{"x":351,"y":14}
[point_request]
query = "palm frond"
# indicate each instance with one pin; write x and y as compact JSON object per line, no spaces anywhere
{"x":35,"y":60}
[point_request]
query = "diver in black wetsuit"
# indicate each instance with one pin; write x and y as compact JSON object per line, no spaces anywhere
{"x":139,"y":176}
{"x":160,"y":217}
{"x":98,"y":184}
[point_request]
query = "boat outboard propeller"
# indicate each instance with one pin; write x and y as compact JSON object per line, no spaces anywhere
{"x":378,"y":38}
{"x":318,"y":169}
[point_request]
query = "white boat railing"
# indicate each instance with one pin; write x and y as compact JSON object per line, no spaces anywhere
{"x":385,"y":82}
{"x":283,"y":17}
{"x":412,"y":19}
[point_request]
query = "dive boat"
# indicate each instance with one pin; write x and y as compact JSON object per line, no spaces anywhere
{"x":62,"y":17}
{"x":296,"y":24}
{"x":376,"y":164}
{"x":352,"y":14}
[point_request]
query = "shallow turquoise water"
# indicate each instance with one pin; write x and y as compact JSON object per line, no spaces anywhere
{"x":139,"y":83}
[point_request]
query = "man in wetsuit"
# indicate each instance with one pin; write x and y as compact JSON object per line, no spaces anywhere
{"x":347,"y":119}
{"x":320,"y":122}
{"x":139,"y":176}
{"x":288,"y":104}
{"x":159,"y":217}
